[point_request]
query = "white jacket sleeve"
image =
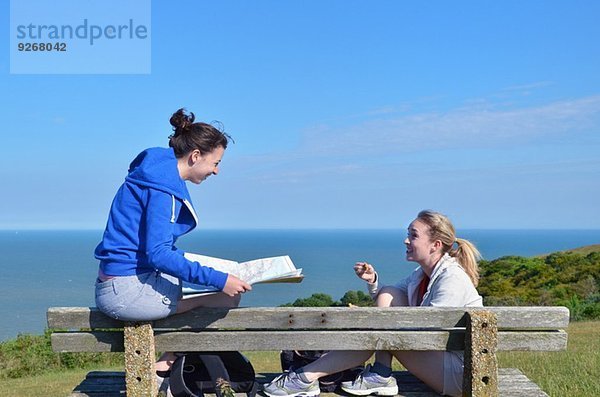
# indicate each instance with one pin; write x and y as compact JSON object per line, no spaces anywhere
{"x":374,"y":287}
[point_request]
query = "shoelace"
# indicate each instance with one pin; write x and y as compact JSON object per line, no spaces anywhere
{"x":280,"y":380}
{"x":360,"y":378}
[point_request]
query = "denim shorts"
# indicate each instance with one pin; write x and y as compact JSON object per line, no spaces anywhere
{"x":453,"y":373}
{"x":141,"y":297}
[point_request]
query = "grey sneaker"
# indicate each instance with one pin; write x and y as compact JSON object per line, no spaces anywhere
{"x":368,"y":382}
{"x":289,"y":384}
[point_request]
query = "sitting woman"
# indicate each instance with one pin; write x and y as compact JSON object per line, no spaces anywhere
{"x":447,"y":276}
{"x":140,"y":271}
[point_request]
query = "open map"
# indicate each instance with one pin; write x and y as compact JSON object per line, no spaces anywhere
{"x":279,"y":269}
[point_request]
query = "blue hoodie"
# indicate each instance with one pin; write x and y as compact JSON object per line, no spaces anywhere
{"x":149,"y":212}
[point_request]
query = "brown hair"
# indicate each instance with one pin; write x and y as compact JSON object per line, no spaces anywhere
{"x":440,"y":228}
{"x":190,"y":136}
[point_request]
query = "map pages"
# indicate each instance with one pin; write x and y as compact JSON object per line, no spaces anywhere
{"x":279,"y":269}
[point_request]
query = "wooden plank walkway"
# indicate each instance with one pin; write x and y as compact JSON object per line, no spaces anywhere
{"x":512,"y":383}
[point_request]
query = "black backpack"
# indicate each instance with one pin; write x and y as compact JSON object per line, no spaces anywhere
{"x":294,"y":359}
{"x":194,"y":374}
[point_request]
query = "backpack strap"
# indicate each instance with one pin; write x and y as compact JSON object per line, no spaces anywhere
{"x":254,"y":390}
{"x":176,"y":381}
{"x":214,"y":366}
{"x":216,"y":369}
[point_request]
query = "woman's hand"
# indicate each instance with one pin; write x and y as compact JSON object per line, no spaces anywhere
{"x":365,"y":271}
{"x":234,"y":286}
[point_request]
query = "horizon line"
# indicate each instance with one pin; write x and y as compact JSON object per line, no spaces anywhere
{"x":56,"y":229}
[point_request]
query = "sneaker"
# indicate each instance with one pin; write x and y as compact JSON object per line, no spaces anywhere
{"x":289,"y":384}
{"x":368,"y":382}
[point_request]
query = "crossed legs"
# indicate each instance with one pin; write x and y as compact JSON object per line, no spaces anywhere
{"x":425,"y":365}
{"x":428,"y":366}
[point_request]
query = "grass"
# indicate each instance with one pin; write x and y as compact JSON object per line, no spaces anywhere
{"x":54,"y":384}
{"x":585,"y":250}
{"x":588,"y":249}
{"x":574,"y":373}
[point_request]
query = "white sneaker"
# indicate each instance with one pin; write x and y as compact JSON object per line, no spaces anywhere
{"x":368,"y":382}
{"x":289,"y":384}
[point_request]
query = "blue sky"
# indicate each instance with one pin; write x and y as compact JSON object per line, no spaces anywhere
{"x":345,"y":114}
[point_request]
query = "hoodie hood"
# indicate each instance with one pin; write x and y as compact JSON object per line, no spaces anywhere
{"x":157,"y":168}
{"x":150,"y":211}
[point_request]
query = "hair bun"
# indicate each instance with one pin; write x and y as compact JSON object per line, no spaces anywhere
{"x":181,"y":121}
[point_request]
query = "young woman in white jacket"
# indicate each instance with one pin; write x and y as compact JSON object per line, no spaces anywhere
{"x":447,"y":276}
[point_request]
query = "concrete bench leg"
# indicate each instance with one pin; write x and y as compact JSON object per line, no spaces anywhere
{"x":140,"y":375}
{"x":481,"y":366}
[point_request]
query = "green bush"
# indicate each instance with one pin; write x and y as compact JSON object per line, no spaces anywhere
{"x":356,"y":298}
{"x":315,"y":300}
{"x":561,"y":278}
{"x":32,"y":355}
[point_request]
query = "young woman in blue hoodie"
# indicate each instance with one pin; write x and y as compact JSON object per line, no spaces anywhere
{"x":140,"y":268}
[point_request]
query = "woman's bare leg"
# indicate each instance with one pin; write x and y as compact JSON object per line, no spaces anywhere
{"x":335,"y":361}
{"x":213,"y":300}
{"x":426,"y":365}
{"x":391,"y":296}
{"x":387,"y":297}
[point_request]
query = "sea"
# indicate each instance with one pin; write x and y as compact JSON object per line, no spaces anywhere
{"x":41,"y":269}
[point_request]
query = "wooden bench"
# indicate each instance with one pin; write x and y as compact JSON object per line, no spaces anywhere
{"x":479,"y":332}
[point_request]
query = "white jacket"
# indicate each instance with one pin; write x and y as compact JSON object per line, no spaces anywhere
{"x":449,"y":286}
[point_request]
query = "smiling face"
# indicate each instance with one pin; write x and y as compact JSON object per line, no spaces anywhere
{"x":204,"y":165}
{"x":419,"y":246}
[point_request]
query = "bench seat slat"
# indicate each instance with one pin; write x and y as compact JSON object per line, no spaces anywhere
{"x":408,"y":385}
{"x":320,"y":318}
{"x":309,"y":340}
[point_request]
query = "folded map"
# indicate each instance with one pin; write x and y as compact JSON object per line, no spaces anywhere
{"x":279,"y":269}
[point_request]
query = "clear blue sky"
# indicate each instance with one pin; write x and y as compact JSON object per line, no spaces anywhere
{"x":345,"y":114}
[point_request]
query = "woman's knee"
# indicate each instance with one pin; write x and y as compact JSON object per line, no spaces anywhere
{"x":391,"y":296}
{"x":235,"y":301}
{"x":213,"y":300}
{"x":224,"y":300}
{"x":428,"y":366}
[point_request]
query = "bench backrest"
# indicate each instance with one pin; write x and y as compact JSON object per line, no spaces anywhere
{"x":328,"y":328}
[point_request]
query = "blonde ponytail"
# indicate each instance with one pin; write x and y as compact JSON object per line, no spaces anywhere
{"x":467,"y":255}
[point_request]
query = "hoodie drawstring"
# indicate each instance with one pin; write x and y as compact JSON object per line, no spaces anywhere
{"x":173,"y":210}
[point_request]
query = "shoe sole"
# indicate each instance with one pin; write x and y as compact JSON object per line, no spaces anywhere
{"x":378,"y":391}
{"x":300,"y":394}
